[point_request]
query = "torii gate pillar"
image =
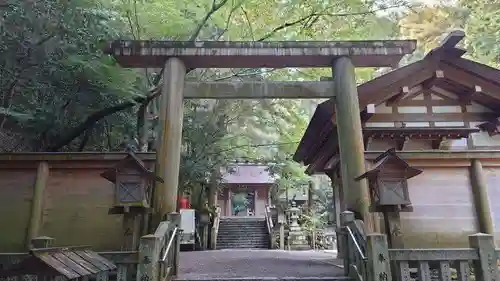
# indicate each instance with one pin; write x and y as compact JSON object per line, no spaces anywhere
{"x":170,"y":141}
{"x":350,"y":139}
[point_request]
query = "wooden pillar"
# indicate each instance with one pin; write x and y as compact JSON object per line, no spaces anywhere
{"x":131,"y":231}
{"x":310,"y":189}
{"x":335,"y":196}
{"x":350,"y":139}
{"x":42,"y":176}
{"x":336,"y":203}
{"x":169,"y":152}
{"x":480,"y":194}
{"x":392,"y":225}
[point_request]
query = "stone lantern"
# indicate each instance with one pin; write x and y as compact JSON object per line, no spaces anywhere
{"x":296,"y":237}
{"x":133,"y":183}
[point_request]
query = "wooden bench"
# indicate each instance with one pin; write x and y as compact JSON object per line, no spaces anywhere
{"x":69,"y":263}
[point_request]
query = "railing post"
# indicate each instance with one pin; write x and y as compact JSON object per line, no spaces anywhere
{"x":281,"y":223}
{"x":377,"y":254}
{"x":175,"y":219}
{"x":148,"y":268}
{"x":486,"y":267}
{"x":346,"y":218}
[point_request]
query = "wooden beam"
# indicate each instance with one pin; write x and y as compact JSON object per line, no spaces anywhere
{"x":438,"y":76}
{"x":444,"y":102}
{"x":471,"y":95}
{"x":381,"y":88}
{"x":259,"y":90}
{"x":367,"y":140}
{"x":486,"y":72}
{"x":437,"y":117}
{"x":367,"y":113}
{"x":452,"y":39}
{"x":249,"y":54}
{"x":492,"y":127}
{"x":401,"y":142}
{"x":429,"y":155}
{"x":322,"y":154}
{"x":395,"y":99}
{"x":443,"y":93}
{"x":448,"y":47}
{"x":470,"y":80}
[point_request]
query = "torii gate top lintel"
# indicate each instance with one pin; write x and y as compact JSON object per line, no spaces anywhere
{"x":277,"y":54}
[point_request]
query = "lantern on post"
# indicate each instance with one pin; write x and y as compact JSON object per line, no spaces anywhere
{"x":133,"y":184}
{"x":388,"y":182}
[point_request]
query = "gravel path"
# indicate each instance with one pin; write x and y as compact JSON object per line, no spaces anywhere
{"x":257,"y":263}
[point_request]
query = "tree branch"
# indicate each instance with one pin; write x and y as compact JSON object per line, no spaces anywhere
{"x":319,"y":14}
{"x":215,"y":8}
{"x":155,"y":92}
{"x":101,"y":114}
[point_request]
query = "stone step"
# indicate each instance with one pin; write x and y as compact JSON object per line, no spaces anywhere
{"x":242,"y":240}
{"x":242,"y":234}
{"x":236,"y":235}
{"x":242,"y":246}
{"x":242,"y":231}
{"x":243,"y":225}
{"x":250,"y":278}
{"x":243,"y":221}
{"x":244,"y":228}
{"x":235,"y":241}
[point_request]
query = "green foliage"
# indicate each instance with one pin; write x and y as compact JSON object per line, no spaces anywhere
{"x":59,"y":92}
{"x":480,"y":19}
{"x":54,"y":74}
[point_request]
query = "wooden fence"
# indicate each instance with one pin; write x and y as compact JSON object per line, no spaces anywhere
{"x":374,"y":261}
{"x":156,"y":260}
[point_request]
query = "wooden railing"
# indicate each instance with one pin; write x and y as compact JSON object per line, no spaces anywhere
{"x":368,"y":258}
{"x":479,"y":262}
{"x":215,"y":228}
{"x":352,"y":246}
{"x":275,"y":227}
{"x":270,"y":226}
{"x":156,"y":260}
{"x":159,"y":252}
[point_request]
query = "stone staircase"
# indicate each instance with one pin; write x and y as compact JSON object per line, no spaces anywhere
{"x":243,"y":233}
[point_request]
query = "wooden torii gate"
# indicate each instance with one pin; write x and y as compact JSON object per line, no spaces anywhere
{"x":178,"y":57}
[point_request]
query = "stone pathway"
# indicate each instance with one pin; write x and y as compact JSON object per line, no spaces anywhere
{"x":235,"y":263}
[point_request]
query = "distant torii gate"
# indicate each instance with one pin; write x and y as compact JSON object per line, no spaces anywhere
{"x":341,"y":56}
